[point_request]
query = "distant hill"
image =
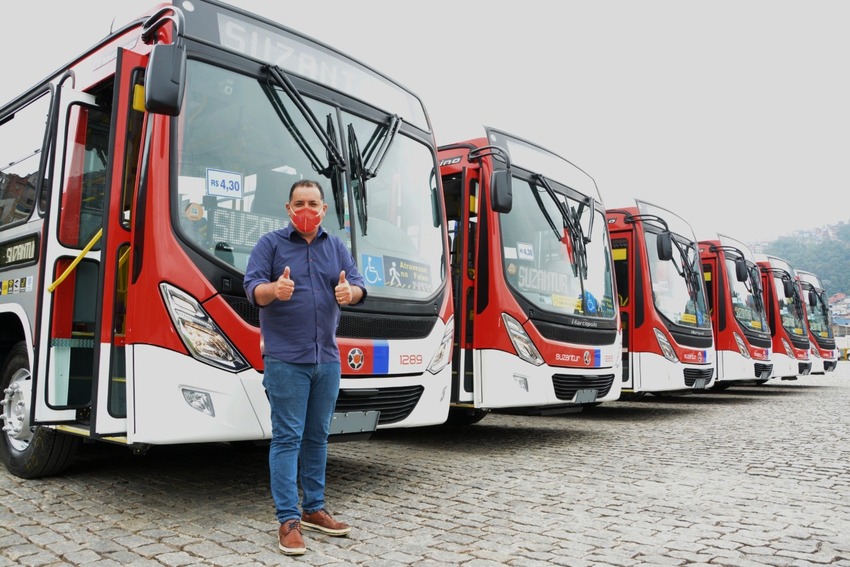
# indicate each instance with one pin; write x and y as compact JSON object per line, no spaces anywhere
{"x":824,"y":252}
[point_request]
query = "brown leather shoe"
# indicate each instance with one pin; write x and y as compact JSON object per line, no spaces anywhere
{"x":322,"y":521}
{"x":289,"y":538}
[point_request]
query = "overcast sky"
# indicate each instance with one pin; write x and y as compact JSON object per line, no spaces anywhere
{"x":734,"y":114}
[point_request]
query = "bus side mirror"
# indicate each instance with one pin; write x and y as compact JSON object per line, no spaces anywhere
{"x":788,"y":288}
{"x":165,"y":79}
{"x":501,"y":192}
{"x":813,"y":299}
{"x":742,"y":272}
{"x":664,"y":245}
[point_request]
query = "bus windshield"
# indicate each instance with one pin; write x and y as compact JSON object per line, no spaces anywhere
{"x":676,"y":290}
{"x":746,"y":298}
{"x":543,"y":269}
{"x":243,"y":142}
{"x":790,"y":311}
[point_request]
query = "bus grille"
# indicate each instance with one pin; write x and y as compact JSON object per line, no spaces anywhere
{"x":395,"y":404}
{"x":359,"y":326}
{"x":763,"y":371}
{"x":805,"y":368}
{"x":575,"y":335}
{"x":566,"y":385}
{"x":369,"y":326}
{"x":692,"y":374}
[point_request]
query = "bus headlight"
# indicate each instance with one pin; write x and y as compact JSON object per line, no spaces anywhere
{"x":199,"y":333}
{"x":666,"y":347}
{"x":444,"y":351}
{"x":742,"y":348}
{"x":525,"y":349}
{"x":815,"y":352}
{"x":788,"y":349}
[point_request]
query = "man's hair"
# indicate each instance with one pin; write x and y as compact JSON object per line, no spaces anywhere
{"x":306,"y":183}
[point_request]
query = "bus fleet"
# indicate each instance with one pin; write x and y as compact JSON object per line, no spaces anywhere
{"x":140,"y":174}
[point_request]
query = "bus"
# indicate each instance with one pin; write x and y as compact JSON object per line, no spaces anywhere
{"x":738,"y":318}
{"x":668,"y":344}
{"x":140,"y":176}
{"x":536,"y":328}
{"x":824,"y":353}
{"x":786,"y":317}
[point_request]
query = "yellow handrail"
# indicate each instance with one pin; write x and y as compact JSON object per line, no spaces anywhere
{"x":76,"y":261}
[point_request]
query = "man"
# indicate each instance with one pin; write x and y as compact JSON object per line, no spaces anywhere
{"x":299,"y":276}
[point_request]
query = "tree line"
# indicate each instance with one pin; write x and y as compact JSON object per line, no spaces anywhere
{"x":828,"y":259}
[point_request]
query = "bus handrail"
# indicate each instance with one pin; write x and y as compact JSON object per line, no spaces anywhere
{"x":76,"y":261}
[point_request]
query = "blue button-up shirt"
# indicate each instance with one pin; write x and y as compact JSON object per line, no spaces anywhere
{"x":303,"y":329}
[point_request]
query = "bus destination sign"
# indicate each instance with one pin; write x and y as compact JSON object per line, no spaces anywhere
{"x":23,"y":251}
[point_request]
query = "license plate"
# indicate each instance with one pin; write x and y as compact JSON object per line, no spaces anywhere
{"x":354,"y":422}
{"x":585,"y":396}
{"x":699,"y":384}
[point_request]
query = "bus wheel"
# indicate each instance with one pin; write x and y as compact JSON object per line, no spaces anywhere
{"x":466,"y":416}
{"x":27,"y":451}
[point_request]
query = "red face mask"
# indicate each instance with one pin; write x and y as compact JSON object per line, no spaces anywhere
{"x":306,"y":220}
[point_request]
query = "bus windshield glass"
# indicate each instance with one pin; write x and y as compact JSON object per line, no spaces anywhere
{"x":818,"y":312}
{"x":677,"y":291}
{"x":243,"y":142}
{"x":542,"y":268}
{"x":746,"y":298}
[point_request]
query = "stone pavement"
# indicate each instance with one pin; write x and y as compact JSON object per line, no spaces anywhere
{"x":751,"y":476}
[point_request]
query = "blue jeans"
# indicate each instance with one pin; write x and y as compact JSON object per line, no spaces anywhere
{"x":302,"y":399}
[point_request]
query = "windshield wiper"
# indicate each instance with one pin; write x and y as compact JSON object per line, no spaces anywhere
{"x":572,"y":236}
{"x":358,"y":179}
{"x":281,"y":80}
{"x":373,"y":154}
{"x":334,"y":172}
{"x":365,"y":164}
{"x":687,"y":272}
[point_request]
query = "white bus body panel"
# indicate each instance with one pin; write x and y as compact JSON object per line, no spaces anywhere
{"x":157,"y":412}
{"x":732,"y":367}
{"x":784,"y":365}
{"x":504,"y":380}
{"x":653,"y":373}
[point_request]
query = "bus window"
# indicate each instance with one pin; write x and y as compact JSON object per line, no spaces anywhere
{"x":21,"y":137}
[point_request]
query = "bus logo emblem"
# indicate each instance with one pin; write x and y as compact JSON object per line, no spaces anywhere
{"x":355,"y":358}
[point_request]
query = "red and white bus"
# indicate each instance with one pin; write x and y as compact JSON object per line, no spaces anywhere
{"x":824,"y":353}
{"x":786,"y":317}
{"x":141,"y":175}
{"x":537,"y":329}
{"x":668,"y":344}
{"x":736,"y":303}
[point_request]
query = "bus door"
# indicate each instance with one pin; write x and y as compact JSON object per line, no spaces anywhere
{"x":462,"y":220}
{"x":621,"y":253}
{"x":87,"y":261}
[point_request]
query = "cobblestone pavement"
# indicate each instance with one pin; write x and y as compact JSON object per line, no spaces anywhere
{"x":750,"y":476}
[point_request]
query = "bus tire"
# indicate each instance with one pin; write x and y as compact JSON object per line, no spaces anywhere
{"x":28,"y":452}
{"x":465,"y":416}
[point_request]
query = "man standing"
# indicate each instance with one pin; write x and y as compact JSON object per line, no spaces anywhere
{"x":299,"y":276}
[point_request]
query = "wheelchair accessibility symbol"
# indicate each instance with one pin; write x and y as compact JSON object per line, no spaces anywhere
{"x":374,"y":267}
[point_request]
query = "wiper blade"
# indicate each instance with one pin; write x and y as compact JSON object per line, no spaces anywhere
{"x":573,"y":238}
{"x":358,"y":179}
{"x":281,"y":80}
{"x":373,"y":153}
{"x":688,"y":273}
{"x":334,"y":172}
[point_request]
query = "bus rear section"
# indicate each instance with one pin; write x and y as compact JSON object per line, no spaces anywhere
{"x":786,"y":317}
{"x":536,"y":327}
{"x":824,"y":351}
{"x":668,"y":343}
{"x":145,"y":183}
{"x":738,"y":316}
